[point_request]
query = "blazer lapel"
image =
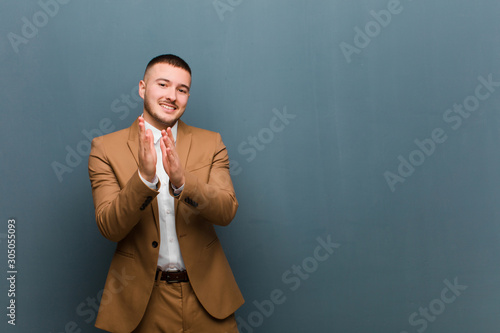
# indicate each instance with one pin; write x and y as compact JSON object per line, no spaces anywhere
{"x":133,"y":140}
{"x":182,"y":145}
{"x":183,"y":142}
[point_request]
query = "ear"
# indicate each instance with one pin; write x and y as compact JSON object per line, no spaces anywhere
{"x":142,"y":88}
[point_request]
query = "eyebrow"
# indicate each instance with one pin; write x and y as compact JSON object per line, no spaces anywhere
{"x":167,"y":80}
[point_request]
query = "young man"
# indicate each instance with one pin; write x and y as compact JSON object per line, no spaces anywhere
{"x":159,"y":186}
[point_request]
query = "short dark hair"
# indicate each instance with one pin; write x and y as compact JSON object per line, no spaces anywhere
{"x":169,"y":59}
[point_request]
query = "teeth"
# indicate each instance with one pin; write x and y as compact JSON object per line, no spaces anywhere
{"x":168,"y":107}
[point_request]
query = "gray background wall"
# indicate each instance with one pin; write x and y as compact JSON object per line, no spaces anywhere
{"x":372,"y":154}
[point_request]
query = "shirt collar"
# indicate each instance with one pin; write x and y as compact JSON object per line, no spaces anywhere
{"x":157,"y":132}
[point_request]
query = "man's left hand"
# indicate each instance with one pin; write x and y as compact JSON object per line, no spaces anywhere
{"x":170,"y":158}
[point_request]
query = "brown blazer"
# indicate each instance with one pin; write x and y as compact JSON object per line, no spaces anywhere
{"x":127,"y":213}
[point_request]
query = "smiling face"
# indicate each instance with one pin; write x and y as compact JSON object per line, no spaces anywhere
{"x":165,"y":91}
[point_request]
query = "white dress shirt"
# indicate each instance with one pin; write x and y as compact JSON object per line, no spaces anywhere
{"x":170,"y":257}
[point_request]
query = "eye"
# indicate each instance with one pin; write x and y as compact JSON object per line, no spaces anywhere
{"x":183,"y":91}
{"x":162,"y":84}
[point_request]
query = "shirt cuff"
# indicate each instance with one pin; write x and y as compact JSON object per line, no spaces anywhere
{"x":177,"y":191}
{"x":153,"y":185}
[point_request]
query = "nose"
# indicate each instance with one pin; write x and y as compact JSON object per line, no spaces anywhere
{"x":171,"y":94}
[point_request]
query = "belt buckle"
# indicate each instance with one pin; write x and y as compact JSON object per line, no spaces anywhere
{"x":168,"y":277}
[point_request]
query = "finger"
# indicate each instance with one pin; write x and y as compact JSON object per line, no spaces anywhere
{"x":170,"y":144}
{"x":164,"y":134}
{"x":150,"y":140}
{"x":142,"y":132}
{"x":170,"y":135}
{"x":171,"y":155}
{"x":142,"y":125}
{"x":163,"y":148}
{"x":164,"y":140}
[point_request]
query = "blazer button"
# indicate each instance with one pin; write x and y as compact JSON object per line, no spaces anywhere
{"x":155,"y":244}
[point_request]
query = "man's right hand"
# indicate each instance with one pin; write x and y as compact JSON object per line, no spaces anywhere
{"x":147,"y":152}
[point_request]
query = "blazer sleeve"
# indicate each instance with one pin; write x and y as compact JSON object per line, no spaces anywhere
{"x":215,"y":199}
{"x":119,"y":203}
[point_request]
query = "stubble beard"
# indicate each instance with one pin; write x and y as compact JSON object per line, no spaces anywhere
{"x":148,"y":109}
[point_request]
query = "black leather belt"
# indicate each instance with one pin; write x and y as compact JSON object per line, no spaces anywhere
{"x":171,"y":276}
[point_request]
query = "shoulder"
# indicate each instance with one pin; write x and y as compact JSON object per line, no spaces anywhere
{"x":114,"y":140}
{"x":195,"y":130}
{"x":199,"y":134}
{"x":112,"y":143}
